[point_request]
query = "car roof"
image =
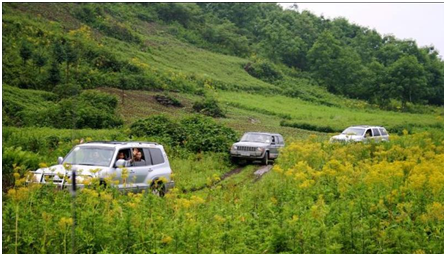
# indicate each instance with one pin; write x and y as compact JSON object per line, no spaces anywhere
{"x":120,"y":143}
{"x":365,"y":126}
{"x":264,"y":133}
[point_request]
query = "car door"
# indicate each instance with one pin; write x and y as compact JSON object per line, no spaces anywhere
{"x":160,"y":167}
{"x":376,"y":134}
{"x":384,"y":134}
{"x":274,"y":152}
{"x":117,"y":171}
{"x":138,"y":174}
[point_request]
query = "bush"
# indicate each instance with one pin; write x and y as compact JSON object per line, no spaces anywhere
{"x":67,"y":90}
{"x":91,"y":109}
{"x":159,"y":126}
{"x":16,"y":160}
{"x":310,"y":127}
{"x":204,"y":134}
{"x":208,"y":106}
{"x":196,"y":133}
{"x":264,"y":71}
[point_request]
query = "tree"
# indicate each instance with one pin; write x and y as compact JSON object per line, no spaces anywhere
{"x":54,"y":74}
{"x":40,"y":60}
{"x":407,"y":80}
{"x":25,"y":51}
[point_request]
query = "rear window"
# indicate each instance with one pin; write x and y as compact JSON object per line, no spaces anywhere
{"x":383,"y":131}
{"x":280,"y":140}
{"x":157,"y":156}
{"x":376,"y":132}
{"x":147,"y":155}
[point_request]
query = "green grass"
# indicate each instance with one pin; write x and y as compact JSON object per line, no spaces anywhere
{"x":336,"y":117}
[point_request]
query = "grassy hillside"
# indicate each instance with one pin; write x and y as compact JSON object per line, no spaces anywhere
{"x":152,"y":71}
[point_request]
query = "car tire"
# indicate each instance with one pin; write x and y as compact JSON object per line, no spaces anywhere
{"x":158,"y":188}
{"x":265,"y":159}
{"x":234,"y":160}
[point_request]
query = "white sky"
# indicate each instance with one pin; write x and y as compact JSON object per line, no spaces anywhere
{"x":422,"y":22}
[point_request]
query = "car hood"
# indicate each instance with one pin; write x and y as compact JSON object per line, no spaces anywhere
{"x":250,"y":144}
{"x":344,"y":137}
{"x":80,"y":169}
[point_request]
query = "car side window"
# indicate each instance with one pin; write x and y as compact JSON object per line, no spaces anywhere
{"x":148,"y":156}
{"x":376,"y":132}
{"x":124,"y":153}
{"x":383,"y":131}
{"x":139,"y":157}
{"x":280,"y":140}
{"x":368,"y":133}
{"x":157,"y":156}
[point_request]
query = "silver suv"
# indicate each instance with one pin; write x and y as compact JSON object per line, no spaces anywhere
{"x":362,"y":133}
{"x":257,"y":146}
{"x":126,"y":165}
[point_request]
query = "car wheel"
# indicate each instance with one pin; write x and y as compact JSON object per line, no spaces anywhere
{"x":157,"y":188}
{"x":265,"y":159}
{"x":234,"y":160}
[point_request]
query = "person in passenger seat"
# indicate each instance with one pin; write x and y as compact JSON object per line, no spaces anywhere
{"x":138,"y":160}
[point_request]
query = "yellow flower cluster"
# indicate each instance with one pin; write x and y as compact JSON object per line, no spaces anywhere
{"x":65,"y":223}
{"x":183,"y":203}
{"x":394,"y":173}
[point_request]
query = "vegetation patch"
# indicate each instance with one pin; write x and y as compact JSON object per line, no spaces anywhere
{"x":168,"y":100}
{"x":306,"y":126}
{"x":196,"y":133}
{"x":209,"y":106}
{"x":90,"y":109}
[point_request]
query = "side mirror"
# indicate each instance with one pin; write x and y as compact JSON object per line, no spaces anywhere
{"x":120,"y":162}
{"x":60,"y":160}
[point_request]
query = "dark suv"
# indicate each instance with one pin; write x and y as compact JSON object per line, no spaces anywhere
{"x":257,"y":146}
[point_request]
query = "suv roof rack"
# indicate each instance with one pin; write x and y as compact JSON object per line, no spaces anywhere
{"x":122,"y":142}
{"x":147,"y":142}
{"x":106,"y":142}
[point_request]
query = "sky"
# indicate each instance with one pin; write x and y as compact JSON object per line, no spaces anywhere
{"x":422,"y":22}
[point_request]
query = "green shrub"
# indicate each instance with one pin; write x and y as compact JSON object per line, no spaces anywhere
{"x":204,"y":134}
{"x":159,"y":126}
{"x":14,"y":159}
{"x":263,"y":70}
{"x":196,"y":133}
{"x":91,"y":109}
{"x":67,"y":90}
{"x":208,"y":106}
{"x":310,"y":127}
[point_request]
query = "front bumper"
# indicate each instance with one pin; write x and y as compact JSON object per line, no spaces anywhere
{"x":247,"y":154}
{"x":50,"y":178}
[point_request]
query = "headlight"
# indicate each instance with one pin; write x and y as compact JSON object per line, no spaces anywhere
{"x":234,"y":147}
{"x":83,"y":179}
{"x":260,"y":149}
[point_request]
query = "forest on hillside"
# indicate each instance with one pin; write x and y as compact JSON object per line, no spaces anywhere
{"x":66,"y":47}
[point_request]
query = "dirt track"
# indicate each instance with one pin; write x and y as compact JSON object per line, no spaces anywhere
{"x":258,"y":174}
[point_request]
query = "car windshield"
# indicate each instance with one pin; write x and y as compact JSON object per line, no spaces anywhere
{"x":256,"y":137}
{"x":92,"y":156}
{"x":353,"y":131}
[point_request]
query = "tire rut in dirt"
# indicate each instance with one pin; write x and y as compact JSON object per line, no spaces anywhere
{"x":262,"y":171}
{"x":222,"y":178}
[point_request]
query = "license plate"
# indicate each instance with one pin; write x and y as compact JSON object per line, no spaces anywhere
{"x":245,"y":154}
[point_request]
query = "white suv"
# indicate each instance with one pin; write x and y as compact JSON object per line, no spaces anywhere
{"x":126,"y":165}
{"x":362,"y":133}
